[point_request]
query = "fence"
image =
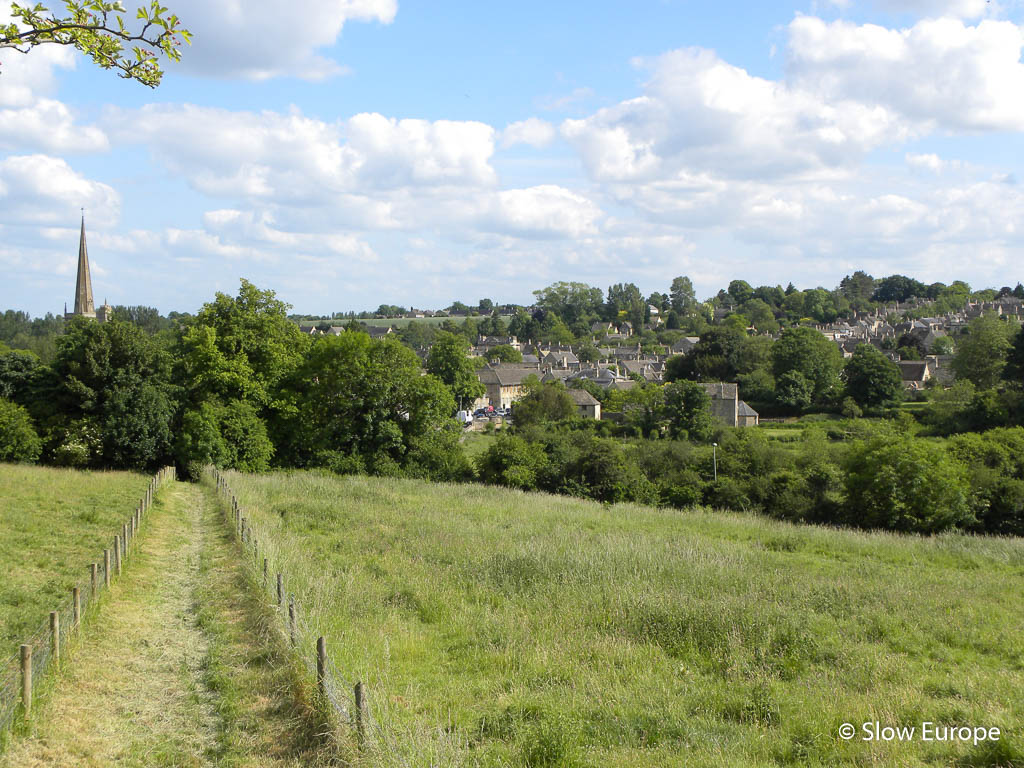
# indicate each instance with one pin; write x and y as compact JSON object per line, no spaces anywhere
{"x":345,"y":702}
{"x":21,"y":673}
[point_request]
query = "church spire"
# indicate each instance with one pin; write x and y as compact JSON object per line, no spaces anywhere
{"x":83,"y":286}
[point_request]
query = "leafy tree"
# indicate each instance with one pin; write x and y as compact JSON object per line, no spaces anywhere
{"x":625,"y":302}
{"x":18,"y":439}
{"x":602,"y":471}
{"x":147,"y":318}
{"x":20,"y":372}
{"x":361,"y":397}
{"x":512,"y":461}
{"x":794,"y":390}
{"x":740,"y":291}
{"x":97,"y":28}
{"x":898,"y":288}
{"x":113,"y":376}
{"x":506,"y":353}
{"x":543,"y":402}
{"x":982,"y":353}
{"x":682,"y":297}
{"x":907,"y":485}
{"x":449,"y":362}
{"x":570,"y":301}
{"x":943,"y":345}
{"x":761,"y":316}
{"x":253,"y":338}
{"x":872,"y":379}
{"x":858,"y":289}
{"x":809,"y":353}
{"x":1014,"y":370}
{"x":688,"y":408}
{"x":712,"y":359}
{"x":643,"y":408}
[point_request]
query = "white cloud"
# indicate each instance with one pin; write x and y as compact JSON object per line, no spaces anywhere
{"x":533,"y":131}
{"x":260,"y":39}
{"x":929,"y":162}
{"x":295,"y":159}
{"x":47,"y":125}
{"x":543,"y":211}
{"x":938,"y":74}
{"x":699,"y":112}
{"x":38,"y":189}
{"x":23,"y":77}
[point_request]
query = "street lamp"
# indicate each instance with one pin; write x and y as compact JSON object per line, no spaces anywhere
{"x":714,"y":456}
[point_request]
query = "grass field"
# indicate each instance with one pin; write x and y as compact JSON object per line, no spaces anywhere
{"x":498,"y":628}
{"x":53,"y":523}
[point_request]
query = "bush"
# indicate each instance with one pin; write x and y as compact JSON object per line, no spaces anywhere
{"x":513,"y":462}
{"x":18,"y":439}
{"x":907,"y":485}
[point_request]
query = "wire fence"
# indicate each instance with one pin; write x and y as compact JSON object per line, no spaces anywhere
{"x":345,"y":700}
{"x":21,"y":673}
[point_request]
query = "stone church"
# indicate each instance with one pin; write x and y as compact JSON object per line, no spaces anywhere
{"x":83,"y":289}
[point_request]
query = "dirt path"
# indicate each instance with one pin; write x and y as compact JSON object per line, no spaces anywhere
{"x":178,"y":667}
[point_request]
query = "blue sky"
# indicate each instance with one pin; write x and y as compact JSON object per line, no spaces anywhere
{"x":373,"y":151}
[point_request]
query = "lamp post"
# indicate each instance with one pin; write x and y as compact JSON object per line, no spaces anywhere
{"x":714,"y":457}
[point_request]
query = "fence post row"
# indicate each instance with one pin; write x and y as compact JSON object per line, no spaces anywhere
{"x":242,"y":528}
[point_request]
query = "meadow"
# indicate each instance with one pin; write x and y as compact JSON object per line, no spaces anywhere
{"x":53,"y":523}
{"x":500,"y":628}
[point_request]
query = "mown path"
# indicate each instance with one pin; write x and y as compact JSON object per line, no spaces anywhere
{"x":179,"y":667}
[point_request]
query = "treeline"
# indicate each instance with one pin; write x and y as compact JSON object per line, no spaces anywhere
{"x":237,"y":385}
{"x":859,"y":473}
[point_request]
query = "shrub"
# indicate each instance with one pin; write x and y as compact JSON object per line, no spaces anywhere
{"x":18,"y":439}
{"x":905,"y":485}
{"x":513,"y":462}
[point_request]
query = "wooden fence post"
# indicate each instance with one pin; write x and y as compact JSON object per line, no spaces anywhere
{"x":76,"y":607}
{"x":321,"y":666}
{"x":26,"y":679}
{"x":360,"y":713}
{"x":92,"y":580}
{"x":280,"y":588}
{"x":124,"y":542}
{"x":55,"y":636}
{"x":106,"y":568}
{"x":291,"y":617}
{"x":117,"y":554}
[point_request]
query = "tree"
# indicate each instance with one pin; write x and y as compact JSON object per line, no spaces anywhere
{"x":449,"y":362}
{"x":682,"y":297}
{"x":982,"y":353}
{"x":794,"y":390}
{"x":688,"y":408}
{"x":114,"y":382}
{"x":98,"y":29}
{"x":362,"y":398}
{"x":543,"y":402}
{"x":625,"y":302}
{"x":858,"y":288}
{"x":740,"y":291}
{"x":513,"y":462}
{"x":898,"y":288}
{"x":18,"y":439}
{"x":872,"y":379}
{"x":505,"y":353}
{"x":1014,"y":370}
{"x":570,"y":301}
{"x":253,"y":343}
{"x":907,"y":485}
{"x":808,"y":352}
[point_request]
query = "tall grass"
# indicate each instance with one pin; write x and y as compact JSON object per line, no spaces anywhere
{"x":494,"y":627}
{"x":53,"y":523}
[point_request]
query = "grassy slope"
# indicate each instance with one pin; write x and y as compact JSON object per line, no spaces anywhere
{"x":501,"y":628}
{"x":53,"y":523}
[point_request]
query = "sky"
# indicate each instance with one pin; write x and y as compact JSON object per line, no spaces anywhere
{"x":362,"y":152}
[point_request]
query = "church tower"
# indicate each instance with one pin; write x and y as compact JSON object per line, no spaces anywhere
{"x":84,"y":306}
